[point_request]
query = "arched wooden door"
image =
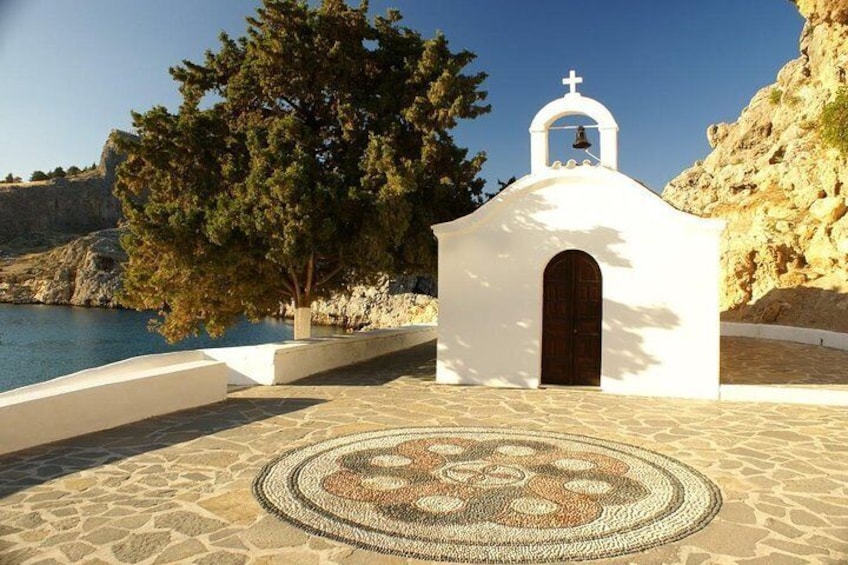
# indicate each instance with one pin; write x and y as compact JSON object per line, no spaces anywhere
{"x":571,"y":320}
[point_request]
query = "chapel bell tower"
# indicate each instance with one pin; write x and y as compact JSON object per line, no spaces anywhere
{"x":572,"y":104}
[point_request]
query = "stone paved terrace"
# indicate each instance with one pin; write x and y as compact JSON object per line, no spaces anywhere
{"x":177,"y":489}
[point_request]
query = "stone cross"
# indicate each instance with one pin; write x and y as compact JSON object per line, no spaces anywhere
{"x":572,"y":81}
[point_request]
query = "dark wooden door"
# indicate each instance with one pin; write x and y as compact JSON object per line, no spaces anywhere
{"x":571,"y":324}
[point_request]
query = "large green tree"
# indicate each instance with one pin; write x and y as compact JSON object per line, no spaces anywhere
{"x":312,"y":153}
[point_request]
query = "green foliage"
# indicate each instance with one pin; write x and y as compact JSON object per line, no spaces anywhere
{"x":501,"y":185}
{"x":775,"y":95}
{"x":833,"y":123}
{"x":58,"y":172}
{"x":38,"y":175}
{"x":73,"y":170}
{"x":10,"y":178}
{"x":325,"y":159}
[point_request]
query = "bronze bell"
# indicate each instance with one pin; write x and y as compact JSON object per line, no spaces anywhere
{"x":581,"y":141}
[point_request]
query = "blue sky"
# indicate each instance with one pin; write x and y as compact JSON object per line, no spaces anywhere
{"x":70,"y":71}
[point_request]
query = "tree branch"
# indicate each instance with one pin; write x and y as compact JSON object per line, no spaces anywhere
{"x":296,"y":284}
{"x":332,"y":273}
{"x":310,"y":268}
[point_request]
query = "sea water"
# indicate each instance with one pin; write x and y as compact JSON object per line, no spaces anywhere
{"x":38,"y":343}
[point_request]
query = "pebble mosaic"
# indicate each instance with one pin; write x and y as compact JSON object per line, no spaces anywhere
{"x":178,"y":488}
{"x":487,"y":495}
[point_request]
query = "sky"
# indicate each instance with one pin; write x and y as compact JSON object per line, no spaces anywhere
{"x":71,"y":71}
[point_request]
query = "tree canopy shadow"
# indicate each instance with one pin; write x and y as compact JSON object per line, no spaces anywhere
{"x":38,"y":465}
{"x":624,"y":351}
{"x":517,"y":241}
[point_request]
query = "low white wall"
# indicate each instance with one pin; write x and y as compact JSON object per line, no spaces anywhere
{"x":809,"y":336}
{"x":151,"y":385}
{"x":108,"y":396}
{"x":295,"y":360}
{"x":278,"y":363}
{"x":247,"y":364}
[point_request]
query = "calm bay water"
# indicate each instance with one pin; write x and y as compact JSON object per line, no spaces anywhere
{"x":38,"y":343}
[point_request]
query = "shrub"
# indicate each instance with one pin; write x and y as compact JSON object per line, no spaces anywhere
{"x":775,"y":95}
{"x":73,"y":170}
{"x":58,"y":172}
{"x":38,"y":175}
{"x":833,"y":123}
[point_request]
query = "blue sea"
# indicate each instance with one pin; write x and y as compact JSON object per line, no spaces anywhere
{"x":38,"y":343}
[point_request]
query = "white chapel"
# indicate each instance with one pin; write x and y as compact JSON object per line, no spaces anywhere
{"x":576,"y":274}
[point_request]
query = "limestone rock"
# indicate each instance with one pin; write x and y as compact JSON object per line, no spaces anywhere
{"x":829,"y":11}
{"x":83,"y":272}
{"x":390,"y":303}
{"x":781,"y":190}
{"x":828,"y":209}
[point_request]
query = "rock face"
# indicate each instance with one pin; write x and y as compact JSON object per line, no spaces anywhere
{"x":390,"y":303}
{"x":78,"y":204}
{"x":87,"y":272}
{"x":84,"y":272}
{"x":781,"y":189}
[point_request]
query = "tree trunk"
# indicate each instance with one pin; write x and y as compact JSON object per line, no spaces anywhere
{"x":302,"y":322}
{"x":302,"y":297}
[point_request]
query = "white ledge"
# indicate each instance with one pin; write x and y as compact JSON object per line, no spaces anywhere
{"x":809,"y":336}
{"x":152,"y":385}
{"x":108,"y":396}
{"x":279,"y":363}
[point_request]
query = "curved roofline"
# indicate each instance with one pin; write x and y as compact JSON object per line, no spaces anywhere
{"x":570,"y":105}
{"x":532,"y":182}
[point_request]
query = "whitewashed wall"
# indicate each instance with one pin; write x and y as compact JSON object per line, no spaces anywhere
{"x":660,"y":271}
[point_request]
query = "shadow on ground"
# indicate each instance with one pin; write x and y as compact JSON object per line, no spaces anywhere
{"x":750,"y":361}
{"x":418,"y":362}
{"x":38,"y":465}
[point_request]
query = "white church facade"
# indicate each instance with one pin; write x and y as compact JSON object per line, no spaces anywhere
{"x":576,"y":274}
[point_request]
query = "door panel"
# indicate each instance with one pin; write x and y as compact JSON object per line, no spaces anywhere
{"x":572,"y":316}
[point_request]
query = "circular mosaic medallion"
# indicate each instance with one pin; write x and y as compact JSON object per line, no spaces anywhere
{"x":487,"y":495}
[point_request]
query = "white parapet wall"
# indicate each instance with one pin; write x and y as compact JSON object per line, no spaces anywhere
{"x":108,"y":396}
{"x":810,"y":336}
{"x":152,"y":385}
{"x":280,"y":363}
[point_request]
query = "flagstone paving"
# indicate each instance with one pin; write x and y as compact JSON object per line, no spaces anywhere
{"x":177,"y":489}
{"x":746,"y":360}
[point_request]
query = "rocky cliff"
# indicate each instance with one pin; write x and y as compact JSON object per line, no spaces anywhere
{"x":78,"y":204}
{"x":389,"y":303}
{"x":84,"y":272}
{"x":782,"y":189}
{"x":87,"y":272}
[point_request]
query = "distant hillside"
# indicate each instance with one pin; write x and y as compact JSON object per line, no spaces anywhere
{"x":782,"y":189}
{"x":73,"y":205}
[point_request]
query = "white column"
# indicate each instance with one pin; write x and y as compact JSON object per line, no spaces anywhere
{"x":538,"y":151}
{"x":609,"y":147}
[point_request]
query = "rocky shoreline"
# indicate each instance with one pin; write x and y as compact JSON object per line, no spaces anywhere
{"x":84,"y":272}
{"x":390,"y":303}
{"x":87,"y":272}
